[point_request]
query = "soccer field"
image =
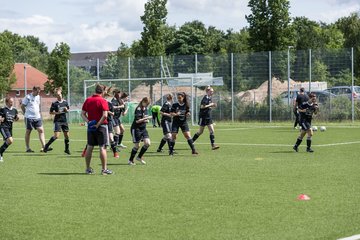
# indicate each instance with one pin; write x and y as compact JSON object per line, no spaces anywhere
{"x":245,"y":190}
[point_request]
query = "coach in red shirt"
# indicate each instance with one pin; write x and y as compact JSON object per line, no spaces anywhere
{"x":94,"y":112}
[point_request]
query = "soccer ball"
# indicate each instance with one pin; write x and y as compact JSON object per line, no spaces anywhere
{"x":314,"y":128}
{"x":322,"y":128}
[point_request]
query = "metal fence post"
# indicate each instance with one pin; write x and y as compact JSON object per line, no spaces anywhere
{"x":270,"y":89}
{"x":232,"y":88}
{"x":310,"y":69}
{"x":129,"y":87}
{"x":352,"y":86}
{"x":68,"y":82}
{"x":161,"y":83}
{"x":192,"y":101}
{"x":98,"y":68}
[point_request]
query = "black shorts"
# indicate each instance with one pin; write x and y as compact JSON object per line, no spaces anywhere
{"x":116,"y":122}
{"x":205,"y":121}
{"x":99,"y":137}
{"x":61,"y":126}
{"x":6,"y":132}
{"x":139,"y":134}
{"x":33,"y":123}
{"x":305,"y":124}
{"x":182,"y":125}
{"x":166,"y":126}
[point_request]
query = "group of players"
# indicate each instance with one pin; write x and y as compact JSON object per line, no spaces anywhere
{"x":103,"y":117}
{"x":103,"y":112}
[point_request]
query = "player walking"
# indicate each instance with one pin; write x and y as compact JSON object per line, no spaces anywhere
{"x":300,"y":98}
{"x":180,"y":111}
{"x":166,"y":120}
{"x":205,"y":118}
{"x":307,"y":110}
{"x":119,"y":104}
{"x":8,"y":115}
{"x":59,"y":108}
{"x":139,"y":132}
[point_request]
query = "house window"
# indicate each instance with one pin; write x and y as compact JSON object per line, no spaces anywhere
{"x":17,"y":93}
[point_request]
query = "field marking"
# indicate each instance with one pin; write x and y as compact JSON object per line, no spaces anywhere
{"x":354,"y":237}
{"x":233,"y":144}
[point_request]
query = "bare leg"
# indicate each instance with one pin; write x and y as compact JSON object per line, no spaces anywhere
{"x":88,"y":155}
{"x":27,"y":138}
{"x":103,"y":157}
{"x":41,"y":136}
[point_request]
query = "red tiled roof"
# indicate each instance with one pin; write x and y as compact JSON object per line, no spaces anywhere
{"x":34,"y":77}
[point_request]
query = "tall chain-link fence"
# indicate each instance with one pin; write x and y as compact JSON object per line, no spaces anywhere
{"x":256,"y":86}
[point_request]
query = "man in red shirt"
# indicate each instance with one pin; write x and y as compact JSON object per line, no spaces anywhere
{"x":94,"y":112}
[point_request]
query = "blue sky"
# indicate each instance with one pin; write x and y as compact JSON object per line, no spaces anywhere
{"x":95,"y":25}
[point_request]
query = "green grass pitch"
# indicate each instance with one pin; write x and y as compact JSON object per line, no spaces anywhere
{"x":245,"y":190}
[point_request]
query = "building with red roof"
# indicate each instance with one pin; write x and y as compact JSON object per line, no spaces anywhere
{"x":29,"y":76}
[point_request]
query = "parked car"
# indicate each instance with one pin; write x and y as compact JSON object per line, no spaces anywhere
{"x":346,"y":91}
{"x":322,"y":96}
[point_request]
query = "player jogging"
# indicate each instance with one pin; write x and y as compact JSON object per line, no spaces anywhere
{"x":139,"y":132}
{"x":166,"y":120}
{"x":111,"y":123}
{"x":8,"y":115}
{"x":307,"y":110}
{"x":119,"y":104}
{"x":205,"y":118}
{"x":59,"y":108}
{"x":180,"y":111}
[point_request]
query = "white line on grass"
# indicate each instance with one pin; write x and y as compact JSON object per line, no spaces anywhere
{"x":234,"y":144}
{"x":355,"y":237}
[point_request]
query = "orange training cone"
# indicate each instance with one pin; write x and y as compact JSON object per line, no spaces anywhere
{"x":303,"y":197}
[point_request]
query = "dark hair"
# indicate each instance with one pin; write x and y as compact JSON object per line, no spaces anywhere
{"x":145,"y":99}
{"x":311,"y":95}
{"x":99,"y":88}
{"x":185,"y":100}
{"x":35,"y":88}
{"x":124,"y":95}
{"x":302,"y":89}
{"x":169,"y":97}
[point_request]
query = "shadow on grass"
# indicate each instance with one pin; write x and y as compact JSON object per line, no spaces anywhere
{"x":285,"y":152}
{"x":61,"y":174}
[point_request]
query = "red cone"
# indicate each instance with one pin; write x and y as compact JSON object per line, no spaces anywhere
{"x":303,"y":197}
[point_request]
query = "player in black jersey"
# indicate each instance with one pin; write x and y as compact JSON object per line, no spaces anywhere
{"x":307,"y":110}
{"x":59,"y":108}
{"x":119,"y":103}
{"x":8,"y":115}
{"x":205,"y":118}
{"x":139,"y":132}
{"x":166,"y":120}
{"x":111,"y":123}
{"x":180,"y":111}
{"x":300,"y":98}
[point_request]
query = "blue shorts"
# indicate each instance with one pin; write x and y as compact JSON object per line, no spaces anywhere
{"x":33,"y":123}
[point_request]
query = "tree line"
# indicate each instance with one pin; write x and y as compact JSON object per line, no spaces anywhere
{"x":270,"y":28}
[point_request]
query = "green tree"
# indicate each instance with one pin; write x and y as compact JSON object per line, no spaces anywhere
{"x":154,"y":20}
{"x":7,"y":77}
{"x":350,"y":27}
{"x":77,"y":77}
{"x":269,"y":25}
{"x":57,"y":68}
{"x":236,"y":42}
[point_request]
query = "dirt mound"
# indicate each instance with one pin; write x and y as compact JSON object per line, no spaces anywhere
{"x":259,"y":94}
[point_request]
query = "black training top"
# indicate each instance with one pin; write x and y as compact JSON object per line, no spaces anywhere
{"x":205,"y":112}
{"x":9,"y":115}
{"x":139,"y":114}
{"x":301,"y":98}
{"x":111,"y":109}
{"x":183,"y":109}
{"x":59,"y":107}
{"x":310,"y":109}
{"x":166,"y":108}
{"x":117,"y":111}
